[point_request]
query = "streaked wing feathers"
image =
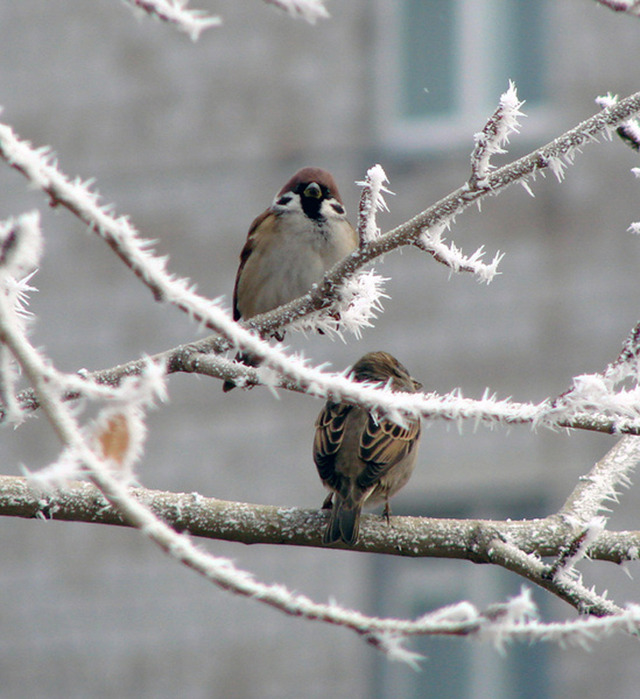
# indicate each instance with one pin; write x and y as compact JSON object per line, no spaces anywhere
{"x":382,"y":445}
{"x":328,"y":438}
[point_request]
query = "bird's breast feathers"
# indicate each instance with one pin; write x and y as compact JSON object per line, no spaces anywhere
{"x":288,"y":260}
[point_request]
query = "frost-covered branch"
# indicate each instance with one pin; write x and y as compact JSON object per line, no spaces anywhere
{"x":20,"y":249}
{"x":517,"y":546}
{"x":577,"y":407}
{"x":309,"y":10}
{"x":431,"y":241}
{"x":490,"y":141}
{"x":247,"y":523}
{"x":371,"y":201}
{"x":529,"y":566}
{"x":175,"y":12}
{"x":631,"y":7}
{"x":603,"y":482}
{"x":629,"y":131}
{"x":580,"y":413}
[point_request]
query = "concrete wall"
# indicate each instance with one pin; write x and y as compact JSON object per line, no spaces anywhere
{"x":192,"y":141}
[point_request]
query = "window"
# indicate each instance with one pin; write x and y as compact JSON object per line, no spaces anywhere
{"x":455,"y":667}
{"x":443,"y":64}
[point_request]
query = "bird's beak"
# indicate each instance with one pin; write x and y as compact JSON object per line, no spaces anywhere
{"x":416,"y":384}
{"x":313,"y":190}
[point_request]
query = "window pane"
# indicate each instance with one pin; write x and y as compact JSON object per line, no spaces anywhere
{"x":519,"y":48}
{"x":428,"y":43}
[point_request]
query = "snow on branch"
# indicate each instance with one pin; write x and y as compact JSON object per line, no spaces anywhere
{"x":629,"y":130}
{"x":603,"y":482}
{"x":490,"y":141}
{"x":309,"y":10}
{"x":358,"y":303}
{"x":577,"y":548}
{"x":371,"y":201}
{"x":175,"y":12}
{"x":431,"y":241}
{"x":20,"y":251}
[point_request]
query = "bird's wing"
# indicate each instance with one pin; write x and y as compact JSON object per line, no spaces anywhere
{"x":328,"y":438}
{"x":383,"y":444}
{"x":244,"y":256}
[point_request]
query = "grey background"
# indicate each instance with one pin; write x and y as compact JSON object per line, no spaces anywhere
{"x":192,"y":141}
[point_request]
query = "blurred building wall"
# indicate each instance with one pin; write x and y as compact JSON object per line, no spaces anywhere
{"x":192,"y":141}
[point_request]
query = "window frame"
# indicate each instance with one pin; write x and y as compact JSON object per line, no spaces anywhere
{"x":477,"y":90}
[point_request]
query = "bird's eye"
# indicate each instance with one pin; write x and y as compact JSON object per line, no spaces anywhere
{"x":337,"y":208}
{"x":284,"y":200}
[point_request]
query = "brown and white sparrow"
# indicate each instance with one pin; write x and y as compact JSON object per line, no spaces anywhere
{"x":291,"y":245}
{"x":361,"y":458}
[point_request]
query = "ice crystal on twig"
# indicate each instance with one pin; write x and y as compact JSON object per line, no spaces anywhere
{"x":20,"y":246}
{"x":309,"y":10}
{"x":577,"y":548}
{"x":20,"y":250}
{"x":359,"y":302}
{"x":449,"y":254}
{"x":490,"y":141}
{"x":629,"y":130}
{"x":175,"y":12}
{"x":371,"y":201}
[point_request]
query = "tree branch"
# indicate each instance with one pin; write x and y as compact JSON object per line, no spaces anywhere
{"x":191,"y":358}
{"x":602,"y":482}
{"x":175,"y":12}
{"x":413,"y":537}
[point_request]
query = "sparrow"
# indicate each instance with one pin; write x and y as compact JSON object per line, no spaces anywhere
{"x":359,"y":457}
{"x":291,"y":246}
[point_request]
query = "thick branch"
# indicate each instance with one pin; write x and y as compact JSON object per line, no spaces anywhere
{"x":472,"y":540}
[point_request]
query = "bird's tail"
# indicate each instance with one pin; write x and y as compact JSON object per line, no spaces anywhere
{"x":344,"y":522}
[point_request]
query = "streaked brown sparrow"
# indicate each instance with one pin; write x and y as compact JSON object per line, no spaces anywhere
{"x":291,"y":245}
{"x":361,"y":458}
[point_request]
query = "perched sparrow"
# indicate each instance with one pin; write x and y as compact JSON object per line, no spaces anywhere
{"x":362,"y":459}
{"x":291,"y":245}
